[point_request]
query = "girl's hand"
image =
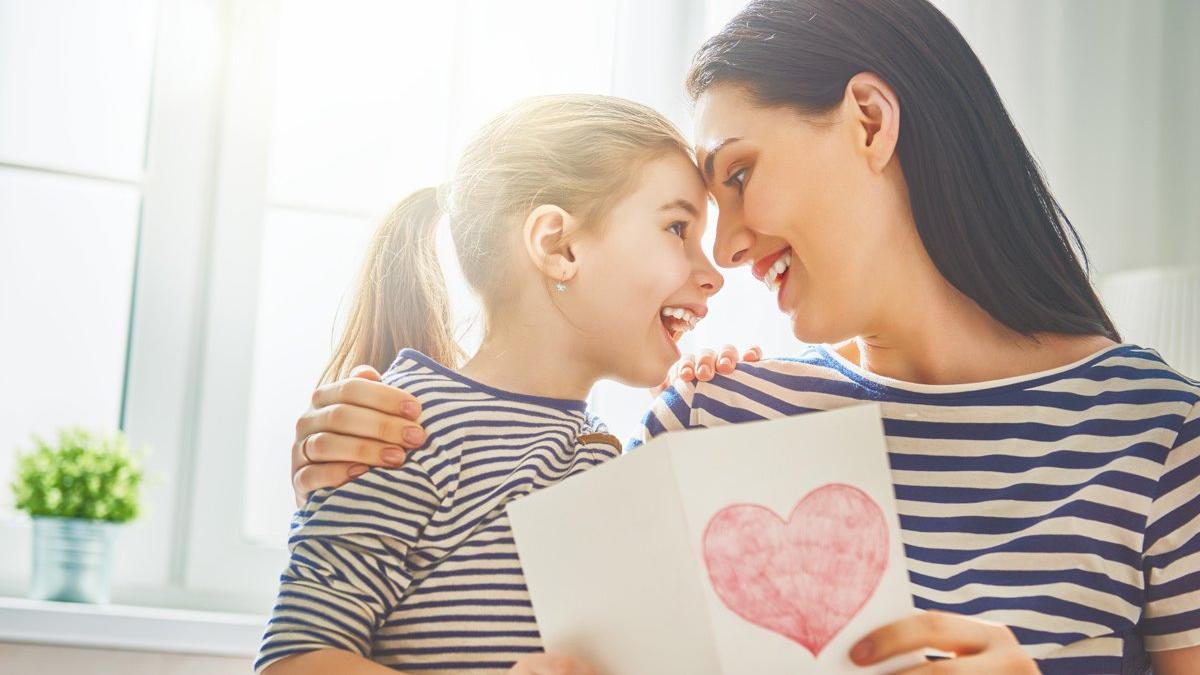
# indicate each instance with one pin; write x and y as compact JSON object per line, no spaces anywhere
{"x":353,"y":424}
{"x":707,"y":364}
{"x":978,"y":646}
{"x":550,"y":664}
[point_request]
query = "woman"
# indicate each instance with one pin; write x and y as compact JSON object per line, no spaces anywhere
{"x":865,"y":168}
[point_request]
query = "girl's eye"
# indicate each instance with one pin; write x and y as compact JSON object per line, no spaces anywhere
{"x":737,"y":180}
{"x":678,"y":228}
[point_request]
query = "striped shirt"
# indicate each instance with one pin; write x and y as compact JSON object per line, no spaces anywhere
{"x":1064,"y":504}
{"x":415,"y":567}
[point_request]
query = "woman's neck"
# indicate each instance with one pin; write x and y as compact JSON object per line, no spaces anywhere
{"x":938,"y":335}
{"x":532,"y":360}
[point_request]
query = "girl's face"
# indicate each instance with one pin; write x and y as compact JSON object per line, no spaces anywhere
{"x":643,"y":278}
{"x":801,"y":206}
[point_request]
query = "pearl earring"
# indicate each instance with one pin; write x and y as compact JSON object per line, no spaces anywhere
{"x":560,"y":286}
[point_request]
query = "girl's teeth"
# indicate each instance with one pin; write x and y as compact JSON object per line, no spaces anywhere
{"x":686,"y":316}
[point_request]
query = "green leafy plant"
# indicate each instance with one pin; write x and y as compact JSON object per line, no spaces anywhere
{"x":85,"y":475}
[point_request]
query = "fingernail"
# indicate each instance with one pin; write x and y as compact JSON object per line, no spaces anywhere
{"x":358,"y":470}
{"x":687,"y":374}
{"x":861,"y":651}
{"x":393,"y":456}
{"x":726,"y":362}
{"x":704,"y":372}
{"x":412,"y":410}
{"x":414,"y":435}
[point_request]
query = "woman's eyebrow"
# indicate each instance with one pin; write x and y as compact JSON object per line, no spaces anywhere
{"x":684,"y":204}
{"x":708,"y":160}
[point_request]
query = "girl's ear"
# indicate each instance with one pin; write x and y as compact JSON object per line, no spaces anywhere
{"x":875,"y":110}
{"x":547,"y":235}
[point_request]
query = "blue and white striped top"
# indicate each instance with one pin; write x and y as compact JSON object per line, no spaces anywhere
{"x":415,"y":567}
{"x":1064,"y":504}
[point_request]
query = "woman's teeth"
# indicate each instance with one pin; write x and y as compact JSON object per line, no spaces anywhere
{"x":774,"y":276}
{"x":678,"y":320}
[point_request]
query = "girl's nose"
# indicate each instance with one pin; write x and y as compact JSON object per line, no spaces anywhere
{"x":710,"y":279}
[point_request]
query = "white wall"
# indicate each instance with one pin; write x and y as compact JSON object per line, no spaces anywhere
{"x":47,"y":660}
{"x":1104,"y":92}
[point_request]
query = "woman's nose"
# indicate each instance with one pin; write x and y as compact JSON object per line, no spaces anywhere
{"x":733,"y":242}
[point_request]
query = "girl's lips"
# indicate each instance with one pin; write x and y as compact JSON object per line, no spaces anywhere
{"x":670,"y":339}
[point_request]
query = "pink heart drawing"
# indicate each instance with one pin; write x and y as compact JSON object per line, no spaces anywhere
{"x":807,"y":577}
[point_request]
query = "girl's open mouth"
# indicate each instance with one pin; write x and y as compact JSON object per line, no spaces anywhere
{"x":677,"y":320}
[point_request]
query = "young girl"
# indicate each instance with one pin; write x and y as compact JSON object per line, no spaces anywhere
{"x":577,"y":219}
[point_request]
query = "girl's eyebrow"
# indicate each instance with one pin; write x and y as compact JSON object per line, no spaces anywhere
{"x":684,"y":204}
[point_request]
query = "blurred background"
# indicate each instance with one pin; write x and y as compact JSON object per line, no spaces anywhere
{"x":187,"y":187}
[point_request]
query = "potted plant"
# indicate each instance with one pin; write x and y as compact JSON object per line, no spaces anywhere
{"x":77,"y":491}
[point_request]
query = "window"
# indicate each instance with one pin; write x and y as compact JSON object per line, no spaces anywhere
{"x":73,"y":126}
{"x":183,"y":212}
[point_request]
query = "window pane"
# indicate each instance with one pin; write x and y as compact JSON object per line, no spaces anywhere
{"x":309,"y":264}
{"x":66,"y":272}
{"x":361,"y":103}
{"x":300,"y":315}
{"x":508,"y":51}
{"x":75,"y":84}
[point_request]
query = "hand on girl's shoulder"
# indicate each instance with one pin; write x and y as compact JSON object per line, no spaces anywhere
{"x":707,"y":364}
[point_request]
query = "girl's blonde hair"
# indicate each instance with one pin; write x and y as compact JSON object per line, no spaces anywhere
{"x":581,"y":153}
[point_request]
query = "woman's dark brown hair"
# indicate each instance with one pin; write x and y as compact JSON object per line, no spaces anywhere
{"x":982,"y":208}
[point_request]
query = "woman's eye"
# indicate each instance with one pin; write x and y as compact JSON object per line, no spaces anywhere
{"x":737,"y":180}
{"x":678,"y":228}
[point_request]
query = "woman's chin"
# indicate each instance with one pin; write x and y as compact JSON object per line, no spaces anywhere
{"x":810,"y":329}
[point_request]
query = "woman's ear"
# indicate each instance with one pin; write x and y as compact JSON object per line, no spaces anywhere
{"x":875,"y":110}
{"x":547,"y":235}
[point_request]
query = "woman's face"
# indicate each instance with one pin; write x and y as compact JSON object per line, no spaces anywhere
{"x":797,"y":195}
{"x":643,"y":263}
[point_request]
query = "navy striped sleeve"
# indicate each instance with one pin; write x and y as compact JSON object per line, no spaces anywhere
{"x":1171,"y":564}
{"x":347,"y":569}
{"x":671,"y":411}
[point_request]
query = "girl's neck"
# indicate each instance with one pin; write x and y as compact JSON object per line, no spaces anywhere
{"x":533,"y":361}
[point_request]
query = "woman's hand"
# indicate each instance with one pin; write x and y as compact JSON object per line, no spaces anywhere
{"x":978,"y":646}
{"x":550,"y":664}
{"x":707,"y":364}
{"x":353,"y":424}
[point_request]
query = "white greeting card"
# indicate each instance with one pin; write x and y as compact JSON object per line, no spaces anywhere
{"x":769,"y":547}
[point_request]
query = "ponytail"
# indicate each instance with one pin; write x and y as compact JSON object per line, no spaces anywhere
{"x":402,"y":299}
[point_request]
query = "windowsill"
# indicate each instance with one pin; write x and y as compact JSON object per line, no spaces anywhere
{"x":125,"y":627}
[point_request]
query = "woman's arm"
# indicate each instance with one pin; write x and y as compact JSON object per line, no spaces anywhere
{"x":978,"y":646}
{"x":359,"y":422}
{"x":344,"y":663}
